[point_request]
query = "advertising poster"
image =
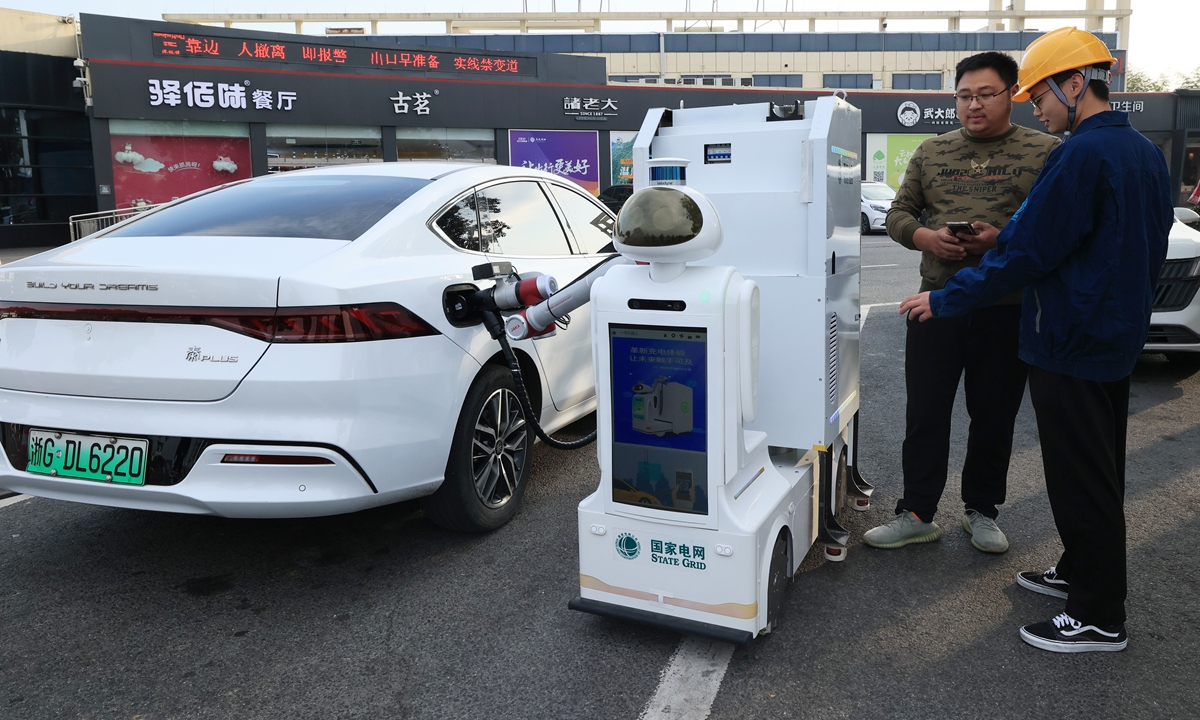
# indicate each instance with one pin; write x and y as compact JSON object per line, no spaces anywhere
{"x":621,"y":144}
{"x":659,"y":453}
{"x":151,"y":169}
{"x":888,"y":156}
{"x":573,"y":154}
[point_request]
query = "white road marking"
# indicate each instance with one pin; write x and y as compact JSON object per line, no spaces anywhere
{"x":13,"y":500}
{"x":691,"y":681}
{"x":892,"y":265}
{"x":866,"y":310}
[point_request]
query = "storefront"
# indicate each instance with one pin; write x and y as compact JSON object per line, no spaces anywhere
{"x":45,"y":155}
{"x":1185,"y":166}
{"x":177,"y":108}
{"x":894,"y":125}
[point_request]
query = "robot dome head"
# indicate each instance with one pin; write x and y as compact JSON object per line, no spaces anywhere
{"x":667,"y":224}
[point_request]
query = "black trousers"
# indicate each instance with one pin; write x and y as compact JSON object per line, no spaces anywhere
{"x":1082,"y":425}
{"x":983,"y":345}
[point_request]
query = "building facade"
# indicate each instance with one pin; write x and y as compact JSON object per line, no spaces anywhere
{"x":45,"y":149}
{"x":176,"y":108}
{"x":851,"y":61}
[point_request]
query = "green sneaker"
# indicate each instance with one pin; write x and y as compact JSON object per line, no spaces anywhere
{"x":985,"y":533}
{"x":904,"y":529}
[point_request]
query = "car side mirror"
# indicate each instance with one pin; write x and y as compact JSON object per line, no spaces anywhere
{"x":1187,"y":216}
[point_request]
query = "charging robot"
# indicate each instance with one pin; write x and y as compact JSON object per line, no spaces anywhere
{"x":743,"y":215}
{"x":710,"y":493}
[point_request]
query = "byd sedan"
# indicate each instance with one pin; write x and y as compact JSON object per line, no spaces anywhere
{"x":278,"y":347}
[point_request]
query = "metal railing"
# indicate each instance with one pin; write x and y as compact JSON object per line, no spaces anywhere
{"x":88,"y":223}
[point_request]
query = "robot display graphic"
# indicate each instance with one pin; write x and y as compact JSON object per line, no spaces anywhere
{"x":664,"y":408}
{"x":660,"y":447}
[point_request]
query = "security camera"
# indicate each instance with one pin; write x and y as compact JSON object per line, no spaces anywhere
{"x":80,"y":63}
{"x":884,"y":25}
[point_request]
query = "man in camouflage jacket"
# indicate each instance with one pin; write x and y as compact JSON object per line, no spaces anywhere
{"x":979,"y":175}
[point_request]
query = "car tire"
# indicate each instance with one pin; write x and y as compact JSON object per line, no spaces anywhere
{"x":484,"y":485}
{"x":864,"y":225}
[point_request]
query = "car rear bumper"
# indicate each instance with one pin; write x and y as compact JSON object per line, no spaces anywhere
{"x":229,"y":490}
{"x":384,"y":412}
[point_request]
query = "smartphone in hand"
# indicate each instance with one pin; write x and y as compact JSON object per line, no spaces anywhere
{"x":962,"y":227}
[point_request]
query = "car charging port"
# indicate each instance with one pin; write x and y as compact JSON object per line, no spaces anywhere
{"x":466,"y":305}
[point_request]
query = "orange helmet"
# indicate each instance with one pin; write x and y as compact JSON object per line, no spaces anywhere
{"x":1058,"y":50}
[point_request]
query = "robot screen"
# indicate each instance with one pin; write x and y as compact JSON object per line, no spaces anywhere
{"x":660,"y":448}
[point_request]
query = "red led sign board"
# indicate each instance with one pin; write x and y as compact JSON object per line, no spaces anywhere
{"x":454,"y":63}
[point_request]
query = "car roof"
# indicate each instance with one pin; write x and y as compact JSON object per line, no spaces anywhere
{"x":426,"y":170}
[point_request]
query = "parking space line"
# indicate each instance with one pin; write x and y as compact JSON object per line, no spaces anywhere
{"x":691,"y":681}
{"x":878,"y":266}
{"x":13,"y":500}
{"x":866,"y":310}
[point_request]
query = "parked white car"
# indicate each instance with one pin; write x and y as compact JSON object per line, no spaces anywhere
{"x":278,"y":347}
{"x":876,"y":201}
{"x":1175,"y":320}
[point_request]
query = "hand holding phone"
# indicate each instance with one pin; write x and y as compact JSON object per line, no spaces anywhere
{"x":965,"y":228}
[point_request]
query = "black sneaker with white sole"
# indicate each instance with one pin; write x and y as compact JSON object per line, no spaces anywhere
{"x":1065,"y":634}
{"x":1046,"y":583}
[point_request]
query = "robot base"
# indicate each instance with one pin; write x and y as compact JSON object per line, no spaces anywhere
{"x":680,"y":625}
{"x":727,"y":583}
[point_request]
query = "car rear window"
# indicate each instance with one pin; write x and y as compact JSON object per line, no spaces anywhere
{"x":333,"y":207}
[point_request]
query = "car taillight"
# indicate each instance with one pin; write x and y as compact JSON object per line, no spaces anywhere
{"x":255,"y":322}
{"x":259,"y":327}
{"x":346,"y":323}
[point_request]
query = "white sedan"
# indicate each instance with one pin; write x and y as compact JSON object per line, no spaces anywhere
{"x":279,"y":347}
{"x":1175,"y":320}
{"x":876,"y":201}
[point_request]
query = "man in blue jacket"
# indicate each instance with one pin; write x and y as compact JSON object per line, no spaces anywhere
{"x":1087,"y":246}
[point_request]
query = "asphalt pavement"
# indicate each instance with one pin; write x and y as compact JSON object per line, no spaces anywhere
{"x":108,"y":613}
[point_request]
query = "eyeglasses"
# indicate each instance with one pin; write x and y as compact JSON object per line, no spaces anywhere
{"x":1036,"y":102}
{"x":983,"y":98}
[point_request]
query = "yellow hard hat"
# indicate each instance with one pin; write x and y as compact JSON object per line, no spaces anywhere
{"x":1058,"y":50}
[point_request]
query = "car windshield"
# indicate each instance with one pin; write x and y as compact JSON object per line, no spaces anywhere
{"x":333,"y":207}
{"x":878,"y":192}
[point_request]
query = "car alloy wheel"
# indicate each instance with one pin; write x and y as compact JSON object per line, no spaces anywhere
{"x":864,"y":225}
{"x":500,"y":449}
{"x":490,"y":458}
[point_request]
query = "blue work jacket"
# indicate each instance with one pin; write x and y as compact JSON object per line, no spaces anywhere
{"x":1087,"y":245}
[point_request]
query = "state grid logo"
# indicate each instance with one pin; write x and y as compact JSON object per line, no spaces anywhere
{"x":628,"y":546}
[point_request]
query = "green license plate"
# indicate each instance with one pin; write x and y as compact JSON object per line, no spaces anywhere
{"x":87,"y":457}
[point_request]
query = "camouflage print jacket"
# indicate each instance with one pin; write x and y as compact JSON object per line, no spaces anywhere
{"x":959,"y":178}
